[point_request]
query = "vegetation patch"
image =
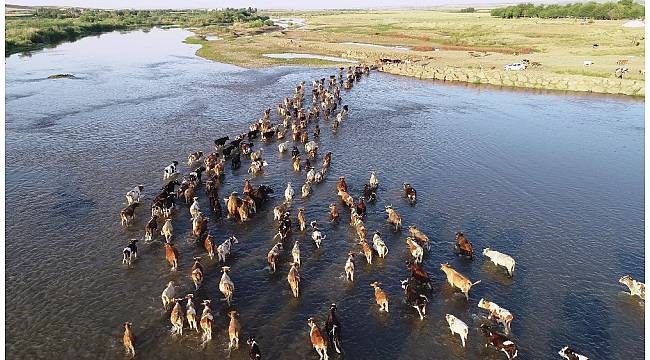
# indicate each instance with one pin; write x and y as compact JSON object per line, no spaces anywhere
{"x":50,"y":26}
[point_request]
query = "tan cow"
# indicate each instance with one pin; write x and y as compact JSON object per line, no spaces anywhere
{"x":456,"y":279}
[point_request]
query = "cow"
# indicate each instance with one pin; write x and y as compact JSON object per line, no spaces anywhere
{"x":463,"y":245}
{"x":457,"y":327}
{"x":637,"y":288}
{"x":501,"y":259}
{"x":456,"y":279}
{"x":498,"y":313}
{"x":500,"y":342}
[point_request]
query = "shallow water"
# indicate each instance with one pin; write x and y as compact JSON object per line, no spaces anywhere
{"x":554,"y":181}
{"x":400,"y":48}
{"x":308,"y":56}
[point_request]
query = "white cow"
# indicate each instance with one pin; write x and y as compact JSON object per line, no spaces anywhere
{"x":168,"y":294}
{"x":283,"y":147}
{"x":501,"y":259}
{"x":568,"y":354}
{"x":457,"y":327}
{"x":379,"y":245}
{"x":194,"y":208}
{"x":311,"y":175}
{"x":223,"y":250}
{"x":170,"y":170}
{"x":374,"y":182}
{"x":288,"y":193}
{"x":498,"y":313}
{"x":316,"y":235}
{"x":134,"y":195}
{"x":587,"y":63}
{"x":636,"y":287}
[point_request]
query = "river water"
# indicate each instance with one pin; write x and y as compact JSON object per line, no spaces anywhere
{"x":556,"y":181}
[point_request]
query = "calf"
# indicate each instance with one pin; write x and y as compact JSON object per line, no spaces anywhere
{"x":419,"y":236}
{"x":171,"y":254}
{"x":220,"y":142}
{"x":369,"y":193}
{"x":176,"y":318}
{"x":233,"y":330}
{"x":223,"y":250}
{"x":208,"y":245}
{"x":341,"y":185}
{"x":415,"y":299}
{"x":151,"y":229}
{"x":302,"y":221}
{"x":273,"y":255}
{"x":128,"y":213}
{"x":366,"y":250}
{"x":206,"y":322}
{"x":374,"y":181}
{"x":190,"y":313}
{"x":226,"y":286}
{"x":498,"y":313}
{"x":457,"y":327}
{"x":295,"y":253}
{"x":380,"y":296}
{"x":587,"y":63}
{"x":463,"y":245}
{"x":361,"y":206}
{"x":419,"y":274}
{"x":334,"y":213}
{"x":619,"y":72}
{"x":568,"y":354}
{"x":500,"y":342}
{"x":195,"y":156}
{"x":295,"y":163}
{"x":130,"y":252}
{"x":168,"y":294}
{"x":410,"y":192}
{"x":133,"y":196}
{"x":254,"y":352}
{"x":347,"y":199}
{"x":393,"y":217}
{"x":294,"y":279}
{"x":349,"y":267}
{"x":501,"y":259}
{"x":333,"y":328}
{"x":167,"y":230}
{"x":127,"y":340}
{"x":288,"y":193}
{"x":317,"y":339}
{"x":197,"y":272}
{"x":457,"y":280}
{"x":636,"y":287}
{"x":415,"y":249}
{"x":379,"y":245}
{"x":195,"y":208}
{"x":170,"y":170}
{"x":317,"y":235}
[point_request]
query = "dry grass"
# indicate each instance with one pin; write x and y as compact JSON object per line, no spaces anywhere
{"x":560,"y":46}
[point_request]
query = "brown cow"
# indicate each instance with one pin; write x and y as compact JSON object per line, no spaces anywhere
{"x":463,"y":245}
{"x":418,"y":273}
{"x":232,"y":204}
{"x":208,"y":245}
{"x":341,"y":185}
{"x":500,"y":342}
{"x":172,"y":256}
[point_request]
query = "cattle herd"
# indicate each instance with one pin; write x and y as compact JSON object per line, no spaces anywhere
{"x":326,"y":105}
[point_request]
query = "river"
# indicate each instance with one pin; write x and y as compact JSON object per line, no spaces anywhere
{"x":555,"y":180}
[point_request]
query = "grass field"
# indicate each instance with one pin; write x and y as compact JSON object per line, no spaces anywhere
{"x":560,"y":45}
